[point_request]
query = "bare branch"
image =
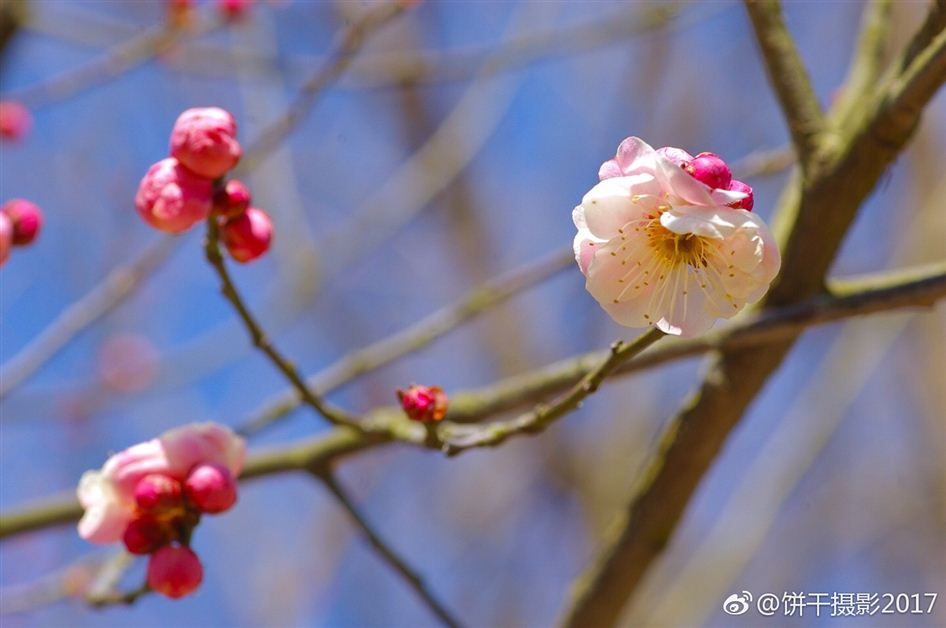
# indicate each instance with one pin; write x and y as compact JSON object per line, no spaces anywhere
{"x":788,"y":76}
{"x":334,"y":415}
{"x":876,"y":293}
{"x":415,"y":337}
{"x":398,"y":564}
{"x":456,"y":439}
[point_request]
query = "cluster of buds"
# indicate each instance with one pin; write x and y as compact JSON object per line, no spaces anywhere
{"x":185,"y":188}
{"x":180,"y":12}
{"x":15,"y":120}
{"x":426,"y":404}
{"x":712,"y":171}
{"x":151,"y":497}
{"x":20,"y":222}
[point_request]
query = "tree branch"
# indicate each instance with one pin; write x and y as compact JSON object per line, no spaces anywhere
{"x":387,"y":554}
{"x":258,"y":336}
{"x":413,"y":338}
{"x":456,"y":439}
{"x":788,"y":77}
{"x":875,"y":293}
{"x":814,"y":214}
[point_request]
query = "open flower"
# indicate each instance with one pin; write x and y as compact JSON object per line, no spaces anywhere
{"x":658,"y":247}
{"x":109,"y":494}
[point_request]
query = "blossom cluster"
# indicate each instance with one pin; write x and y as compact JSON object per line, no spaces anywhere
{"x":669,"y":239}
{"x":152,"y":495}
{"x":20,"y":223}
{"x":185,"y":188}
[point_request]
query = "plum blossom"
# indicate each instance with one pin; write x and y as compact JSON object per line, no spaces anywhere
{"x":109,"y":495}
{"x":659,"y":247}
{"x":15,"y":120}
{"x":204,"y":141}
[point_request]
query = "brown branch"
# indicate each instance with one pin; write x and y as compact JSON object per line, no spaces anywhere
{"x":788,"y":77}
{"x":413,"y":338}
{"x":816,"y":211}
{"x":258,"y":336}
{"x":455,"y":439}
{"x":398,"y":564}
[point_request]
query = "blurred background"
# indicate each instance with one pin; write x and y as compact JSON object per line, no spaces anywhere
{"x":452,"y":150}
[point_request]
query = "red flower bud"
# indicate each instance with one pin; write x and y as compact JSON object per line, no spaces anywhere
{"x":423,"y":403}
{"x":15,"y":120}
{"x":746,"y":203}
{"x":248,"y":235}
{"x":158,"y":494}
{"x":709,"y":168}
{"x":174,"y":571}
{"x":146,"y":534}
{"x":232,"y":199}
{"x":27,"y":220}
{"x":211,"y":488}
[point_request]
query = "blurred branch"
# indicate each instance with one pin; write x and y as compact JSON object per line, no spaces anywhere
{"x":875,"y":293}
{"x":415,"y":337}
{"x":788,"y":77}
{"x":258,"y":335}
{"x":350,"y":42}
{"x":386,"y":553}
{"x":117,"y":60}
{"x":13,"y":14}
{"x":396,"y":67}
{"x":867,"y":63}
{"x":764,"y":162}
{"x":814,"y":214}
{"x":117,"y":286}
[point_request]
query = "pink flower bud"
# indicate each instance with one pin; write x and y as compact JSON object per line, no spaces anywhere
{"x":234,"y":9}
{"x":146,"y":534}
{"x":746,"y":203}
{"x":423,"y":403}
{"x":211,"y":488}
{"x":15,"y":120}
{"x":248,"y":235}
{"x":232,"y":199}
{"x":6,"y":237}
{"x":158,"y":494}
{"x":174,"y":571}
{"x":204,"y":141}
{"x":27,"y":220}
{"x":709,"y":168}
{"x":676,"y":155}
{"x":172,"y":198}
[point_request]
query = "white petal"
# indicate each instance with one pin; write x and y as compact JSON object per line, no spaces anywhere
{"x":611,"y":204}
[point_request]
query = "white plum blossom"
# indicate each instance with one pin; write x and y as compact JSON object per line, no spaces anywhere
{"x":658,"y":247}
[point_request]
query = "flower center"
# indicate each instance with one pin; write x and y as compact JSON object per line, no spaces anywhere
{"x":676,"y":248}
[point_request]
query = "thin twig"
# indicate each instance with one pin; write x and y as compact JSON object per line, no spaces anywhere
{"x":334,"y":415}
{"x":397,"y":563}
{"x":456,"y":439}
{"x":876,"y":293}
{"x":413,"y":338}
{"x":120,"y":283}
{"x":764,"y":162}
{"x":867,"y":63}
{"x":788,"y":76}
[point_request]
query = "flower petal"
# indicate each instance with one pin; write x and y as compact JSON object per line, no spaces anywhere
{"x":615,"y":202}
